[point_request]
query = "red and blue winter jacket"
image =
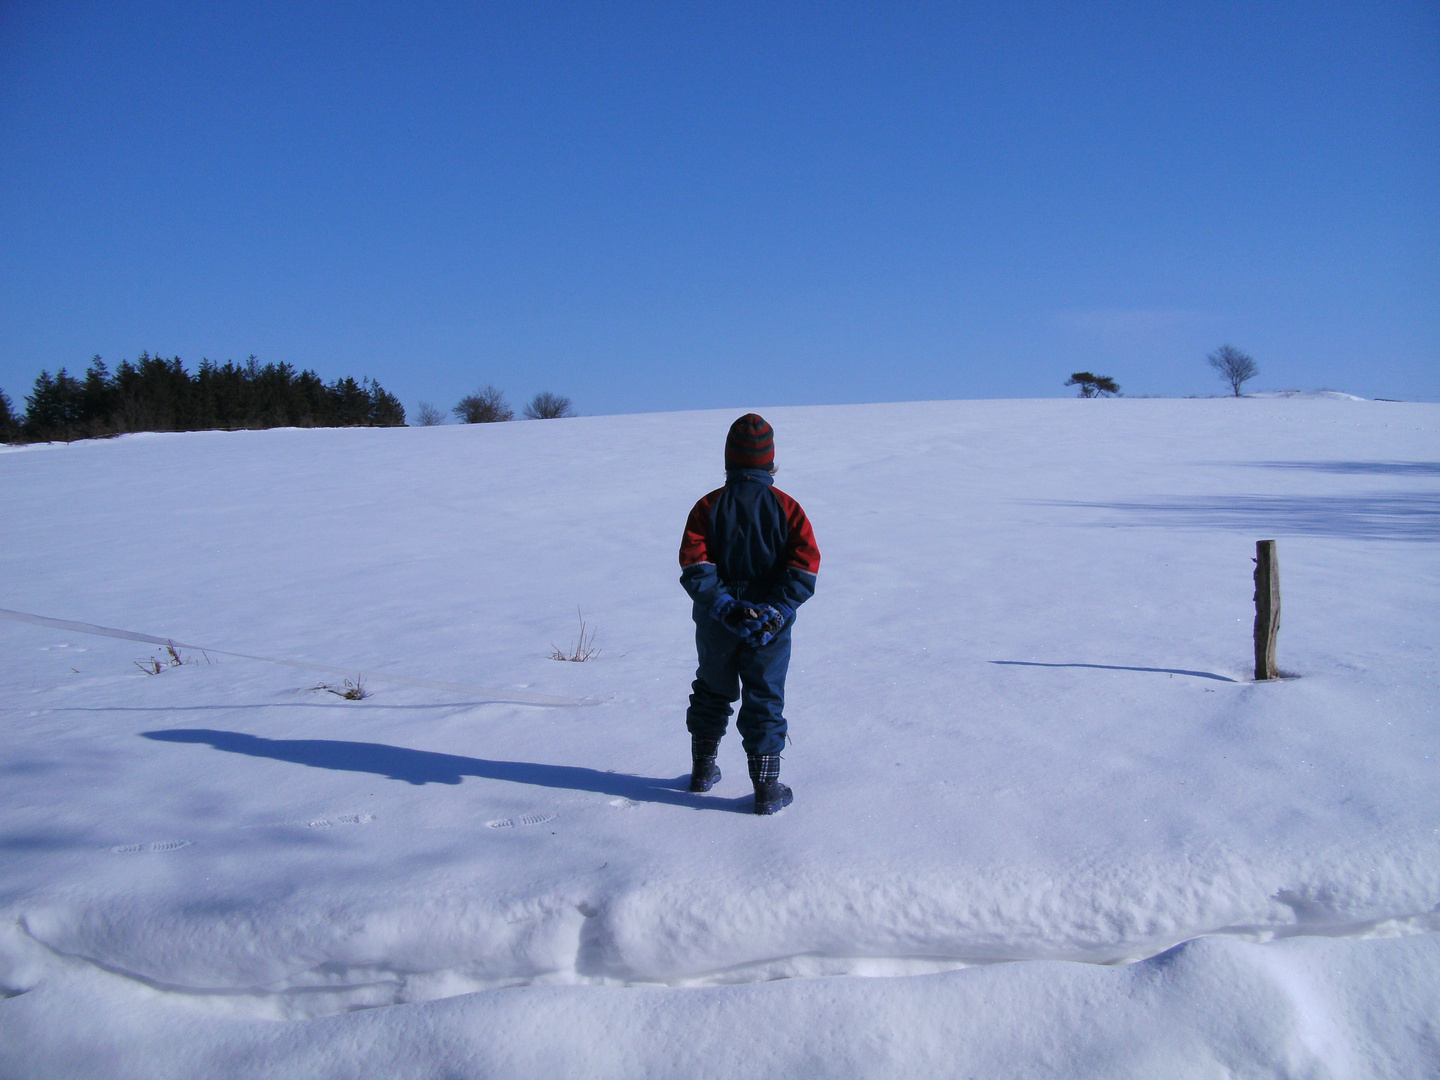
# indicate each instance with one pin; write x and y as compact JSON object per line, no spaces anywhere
{"x":751,"y":540}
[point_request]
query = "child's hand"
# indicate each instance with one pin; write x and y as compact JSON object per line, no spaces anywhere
{"x":745,"y":620}
{"x":770,"y":621}
{"x":738,"y":618}
{"x":723,"y":608}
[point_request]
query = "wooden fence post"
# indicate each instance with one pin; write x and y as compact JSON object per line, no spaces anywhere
{"x":1267,"y":608}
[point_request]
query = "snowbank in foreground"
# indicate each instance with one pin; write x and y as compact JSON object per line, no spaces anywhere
{"x":1213,"y":1007}
{"x":1024,"y":730}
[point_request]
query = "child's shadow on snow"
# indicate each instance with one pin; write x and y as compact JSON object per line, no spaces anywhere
{"x":427,"y":767}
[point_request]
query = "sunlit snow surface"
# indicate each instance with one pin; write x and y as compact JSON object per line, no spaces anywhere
{"x":1026,"y":749}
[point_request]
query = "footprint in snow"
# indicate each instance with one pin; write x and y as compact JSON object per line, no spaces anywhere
{"x":528,"y":819}
{"x":158,"y":845}
{"x":342,"y":819}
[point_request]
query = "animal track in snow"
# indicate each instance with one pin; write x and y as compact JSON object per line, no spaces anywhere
{"x":528,"y":819}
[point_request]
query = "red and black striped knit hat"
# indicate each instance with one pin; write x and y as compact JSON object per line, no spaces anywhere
{"x":750,"y":444}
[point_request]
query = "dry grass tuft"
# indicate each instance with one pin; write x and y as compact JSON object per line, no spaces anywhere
{"x":583,"y":649}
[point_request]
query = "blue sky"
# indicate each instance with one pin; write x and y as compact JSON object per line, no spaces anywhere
{"x":684,"y":205}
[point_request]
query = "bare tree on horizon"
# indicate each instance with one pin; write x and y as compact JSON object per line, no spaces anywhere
{"x":1092,"y":385}
{"x":1234,"y":366}
{"x":485,"y":406}
{"x":548,"y":406}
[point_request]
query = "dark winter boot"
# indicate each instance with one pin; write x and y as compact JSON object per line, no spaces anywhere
{"x":770,"y":794}
{"x":704,"y":773}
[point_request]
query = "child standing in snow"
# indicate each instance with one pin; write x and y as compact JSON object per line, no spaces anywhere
{"x":748,"y":560}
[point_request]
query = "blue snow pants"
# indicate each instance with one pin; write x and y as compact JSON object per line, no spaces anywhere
{"x":730,"y":669}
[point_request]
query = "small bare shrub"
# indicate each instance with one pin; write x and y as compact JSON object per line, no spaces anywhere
{"x":173,"y":658}
{"x":427,"y":415}
{"x":583,"y":649}
{"x":350,"y":691}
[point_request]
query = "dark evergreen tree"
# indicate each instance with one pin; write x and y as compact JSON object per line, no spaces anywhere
{"x":97,"y":402}
{"x":9,"y":424}
{"x":385,"y":407}
{"x":156,"y":394}
{"x":349,"y":402}
{"x":55,"y":407}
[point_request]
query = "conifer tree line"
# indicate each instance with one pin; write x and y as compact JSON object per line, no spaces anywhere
{"x":156,"y":394}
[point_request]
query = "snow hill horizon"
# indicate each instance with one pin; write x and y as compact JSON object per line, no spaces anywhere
{"x":1046,"y":824}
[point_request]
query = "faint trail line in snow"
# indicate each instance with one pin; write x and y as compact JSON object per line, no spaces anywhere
{"x":498,"y":697}
{"x":1120,"y":667}
{"x":1360,"y":468}
{"x":1409,"y":516}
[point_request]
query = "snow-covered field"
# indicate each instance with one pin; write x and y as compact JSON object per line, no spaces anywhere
{"x":1045,"y":823}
